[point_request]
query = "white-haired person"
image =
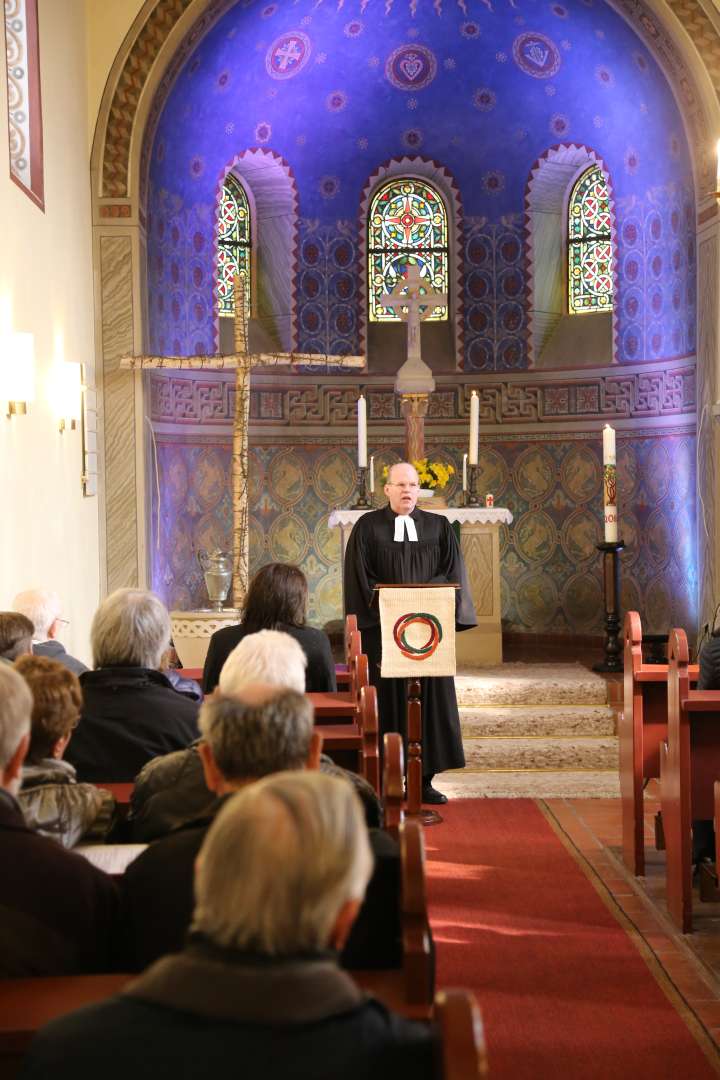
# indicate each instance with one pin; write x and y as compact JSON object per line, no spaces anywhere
{"x":59,"y":914}
{"x":131,"y":711}
{"x":260,"y":730}
{"x":42,"y":607}
{"x":170,"y":791}
{"x":279,"y":880}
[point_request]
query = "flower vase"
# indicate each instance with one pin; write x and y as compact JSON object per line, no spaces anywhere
{"x":437,"y":500}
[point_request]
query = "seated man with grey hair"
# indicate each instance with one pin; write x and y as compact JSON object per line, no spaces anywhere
{"x":58,"y":914}
{"x":171,"y":791}
{"x":257,"y":991}
{"x":259,"y":731}
{"x":131,"y":711}
{"x":42,"y":607}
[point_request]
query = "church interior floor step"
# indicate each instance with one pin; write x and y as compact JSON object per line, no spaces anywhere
{"x":542,"y":753}
{"x":540,"y":784}
{"x":536,"y":684}
{"x":482,"y":721}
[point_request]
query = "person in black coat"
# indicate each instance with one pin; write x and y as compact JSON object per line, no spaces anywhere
{"x":403,"y":545}
{"x":170,"y":791}
{"x":278,"y":882}
{"x":263,"y":730}
{"x":131,"y":711}
{"x":276,"y":600}
{"x":59,"y":914}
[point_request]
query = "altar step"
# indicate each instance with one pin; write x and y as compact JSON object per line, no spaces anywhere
{"x":535,"y":730}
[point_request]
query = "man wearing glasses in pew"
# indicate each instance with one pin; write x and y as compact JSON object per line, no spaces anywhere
{"x":255,"y":732}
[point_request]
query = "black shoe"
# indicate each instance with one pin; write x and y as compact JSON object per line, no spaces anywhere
{"x":432,"y":795}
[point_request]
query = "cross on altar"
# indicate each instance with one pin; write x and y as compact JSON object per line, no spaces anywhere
{"x":409,"y":294}
{"x":243,"y":362}
{"x":414,"y":381}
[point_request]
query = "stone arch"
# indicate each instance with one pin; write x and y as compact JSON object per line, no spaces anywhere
{"x":442,"y":179}
{"x":550,"y":181}
{"x":270,"y":184}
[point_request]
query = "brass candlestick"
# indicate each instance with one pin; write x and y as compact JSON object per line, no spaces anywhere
{"x":363,"y":501}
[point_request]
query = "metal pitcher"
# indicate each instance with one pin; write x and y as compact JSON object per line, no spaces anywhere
{"x":217,"y":571}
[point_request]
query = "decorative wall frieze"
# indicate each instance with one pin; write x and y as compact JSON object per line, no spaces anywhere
{"x":639,"y":392}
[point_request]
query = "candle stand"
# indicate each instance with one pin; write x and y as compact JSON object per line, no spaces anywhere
{"x":611,"y":575}
{"x":471,"y":497}
{"x":363,"y":501}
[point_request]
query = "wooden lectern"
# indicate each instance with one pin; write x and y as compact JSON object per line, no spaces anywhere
{"x":418,"y":641}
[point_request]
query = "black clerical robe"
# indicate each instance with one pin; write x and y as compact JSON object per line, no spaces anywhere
{"x":374,"y":557}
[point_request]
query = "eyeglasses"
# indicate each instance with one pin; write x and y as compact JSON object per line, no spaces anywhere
{"x":65,"y":622}
{"x":408,"y":485}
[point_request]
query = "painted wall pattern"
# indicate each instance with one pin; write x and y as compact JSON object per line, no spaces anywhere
{"x":664,"y":390}
{"x":657,"y":273}
{"x":550,"y":568}
{"x":311,"y":84}
{"x":309,"y":81}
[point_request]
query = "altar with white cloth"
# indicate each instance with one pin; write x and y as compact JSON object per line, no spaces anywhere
{"x":480,"y":545}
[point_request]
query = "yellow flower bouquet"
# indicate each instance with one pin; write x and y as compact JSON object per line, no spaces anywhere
{"x":432,"y":474}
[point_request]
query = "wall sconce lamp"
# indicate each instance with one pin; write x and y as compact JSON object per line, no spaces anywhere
{"x":17,"y":373}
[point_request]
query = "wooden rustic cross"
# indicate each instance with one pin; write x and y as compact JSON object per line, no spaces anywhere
{"x":243,"y":362}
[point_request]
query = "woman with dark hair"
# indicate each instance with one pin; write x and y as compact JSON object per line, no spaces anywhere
{"x":276,"y":600}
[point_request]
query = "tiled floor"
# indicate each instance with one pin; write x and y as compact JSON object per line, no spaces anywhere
{"x":690,"y":961}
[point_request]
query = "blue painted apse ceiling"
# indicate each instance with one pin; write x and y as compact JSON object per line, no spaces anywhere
{"x":482,"y":88}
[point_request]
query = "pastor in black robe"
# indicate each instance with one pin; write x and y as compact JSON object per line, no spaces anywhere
{"x":374,"y":557}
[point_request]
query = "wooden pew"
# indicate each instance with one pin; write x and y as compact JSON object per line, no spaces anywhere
{"x":360,"y":736}
{"x":642,"y":728}
{"x":457,"y":1015}
{"x":342,"y":671}
{"x":689,"y":766}
{"x":26,"y":1005}
{"x":409,"y":989}
{"x":393,"y":783}
{"x":709,"y":884}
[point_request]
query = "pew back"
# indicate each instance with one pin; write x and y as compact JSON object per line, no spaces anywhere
{"x":462,"y":1035}
{"x":642,"y":728}
{"x":690,"y":766}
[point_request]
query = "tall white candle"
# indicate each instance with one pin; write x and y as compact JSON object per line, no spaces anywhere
{"x":608,"y":445}
{"x":464,"y":472}
{"x":610,"y":485}
{"x":372,"y":474}
{"x":474,"y":428}
{"x":362,"y":432}
{"x":717,"y":174}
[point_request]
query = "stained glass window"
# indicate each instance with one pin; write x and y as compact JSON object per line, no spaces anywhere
{"x":590,"y":286}
{"x":233,"y":245}
{"x":407,"y":224}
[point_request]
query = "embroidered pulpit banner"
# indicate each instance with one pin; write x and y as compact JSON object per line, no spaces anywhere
{"x":418,"y":631}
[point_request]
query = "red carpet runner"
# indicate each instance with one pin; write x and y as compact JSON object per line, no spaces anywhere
{"x":563,"y":990}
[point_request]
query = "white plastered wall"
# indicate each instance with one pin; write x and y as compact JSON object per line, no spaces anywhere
{"x":49,"y":531}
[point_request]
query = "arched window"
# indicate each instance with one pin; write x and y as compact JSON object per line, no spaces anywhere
{"x":407,"y":224}
{"x":233,"y":245}
{"x":590,"y":286}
